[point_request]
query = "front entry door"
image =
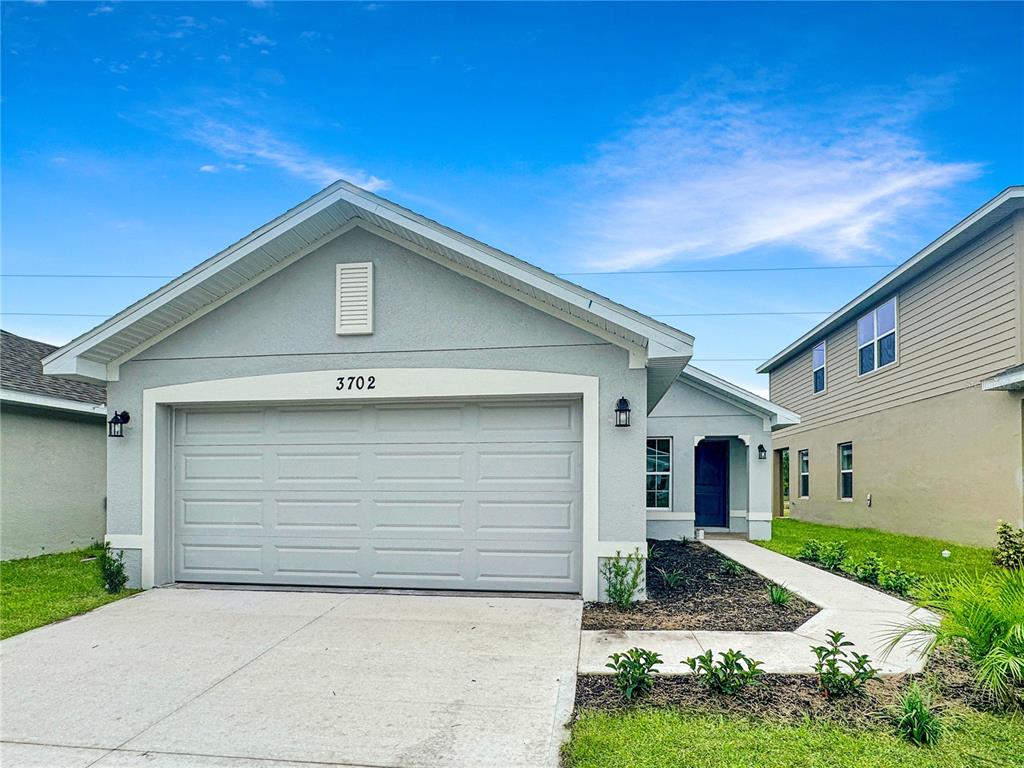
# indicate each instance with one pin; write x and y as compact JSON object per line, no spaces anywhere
{"x":711,"y":473}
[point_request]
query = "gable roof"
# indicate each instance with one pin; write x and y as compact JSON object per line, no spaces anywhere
{"x":97,"y":354}
{"x":22,"y":379}
{"x":748,"y":401}
{"x":995,"y":210}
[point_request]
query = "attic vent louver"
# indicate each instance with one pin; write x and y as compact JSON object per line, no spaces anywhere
{"x":354,"y":299}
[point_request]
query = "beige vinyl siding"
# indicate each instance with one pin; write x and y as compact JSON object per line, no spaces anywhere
{"x":956,"y":324}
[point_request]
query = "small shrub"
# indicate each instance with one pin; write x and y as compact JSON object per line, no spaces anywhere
{"x":833,"y":679}
{"x":653,"y":552}
{"x":811,"y":550}
{"x":623,"y":577}
{"x":869,"y":569}
{"x":1009,"y":551}
{"x":112,"y":568}
{"x":729,"y":675}
{"x":899,"y":580}
{"x":671,"y":579}
{"x":832,"y":554}
{"x":731,"y":567}
{"x":779,"y":595}
{"x":914,"y":718}
{"x":634,"y":671}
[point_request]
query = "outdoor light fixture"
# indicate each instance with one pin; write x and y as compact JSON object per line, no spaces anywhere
{"x":622,"y":413}
{"x":762,"y":452}
{"x":115,"y":426}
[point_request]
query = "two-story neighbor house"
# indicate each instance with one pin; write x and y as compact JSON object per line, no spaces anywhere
{"x":356,"y":395}
{"x":910,"y":396}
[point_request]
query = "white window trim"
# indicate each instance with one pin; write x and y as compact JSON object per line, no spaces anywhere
{"x":839,"y":466}
{"x":874,"y":341}
{"x":823,"y":367}
{"x":671,"y":461}
{"x":800,"y":474}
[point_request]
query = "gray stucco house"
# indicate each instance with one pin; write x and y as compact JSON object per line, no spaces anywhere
{"x":53,"y":455}
{"x":356,"y":395}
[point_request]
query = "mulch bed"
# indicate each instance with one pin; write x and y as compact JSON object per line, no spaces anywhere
{"x":708,"y":598}
{"x":791,"y":698}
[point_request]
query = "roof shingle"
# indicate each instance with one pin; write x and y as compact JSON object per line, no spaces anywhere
{"x":22,"y":371}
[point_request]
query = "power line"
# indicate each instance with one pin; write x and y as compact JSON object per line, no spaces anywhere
{"x":687,"y":314}
{"x":105,"y":277}
{"x":48,"y":314}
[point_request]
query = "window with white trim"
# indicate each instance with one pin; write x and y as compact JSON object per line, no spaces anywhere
{"x":846,"y":471}
{"x":818,"y":367}
{"x":876,"y":338}
{"x":353,"y":299}
{"x":804,"y":471}
{"x":659,"y":473}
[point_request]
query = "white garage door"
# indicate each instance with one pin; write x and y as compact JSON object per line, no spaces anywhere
{"x":476,"y":495}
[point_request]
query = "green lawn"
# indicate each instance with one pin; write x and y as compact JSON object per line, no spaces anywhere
{"x":662,"y":738}
{"x":923,"y":556}
{"x":40,"y":590}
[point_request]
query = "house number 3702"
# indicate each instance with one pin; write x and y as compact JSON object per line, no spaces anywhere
{"x":346,"y":383}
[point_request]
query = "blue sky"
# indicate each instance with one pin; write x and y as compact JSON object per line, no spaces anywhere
{"x":140,"y":138}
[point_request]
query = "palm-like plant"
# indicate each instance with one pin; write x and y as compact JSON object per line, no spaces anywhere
{"x":986,"y":612}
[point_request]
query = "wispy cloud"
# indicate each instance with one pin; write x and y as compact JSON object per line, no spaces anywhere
{"x":244,"y":145}
{"x":724,"y":167}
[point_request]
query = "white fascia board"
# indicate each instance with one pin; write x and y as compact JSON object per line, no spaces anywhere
{"x":52,"y":403}
{"x":779,"y":416}
{"x":995,"y":210}
{"x":1007,"y":380}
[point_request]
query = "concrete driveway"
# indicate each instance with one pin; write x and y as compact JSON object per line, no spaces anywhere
{"x":203,"y":678}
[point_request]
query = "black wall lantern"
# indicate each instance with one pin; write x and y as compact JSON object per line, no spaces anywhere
{"x":762,"y":452}
{"x":115,"y":426}
{"x":622,"y":413}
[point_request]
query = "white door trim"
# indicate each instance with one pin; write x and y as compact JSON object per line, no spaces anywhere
{"x":389,"y":384}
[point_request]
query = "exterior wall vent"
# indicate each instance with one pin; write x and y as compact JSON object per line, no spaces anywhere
{"x":354,"y":299}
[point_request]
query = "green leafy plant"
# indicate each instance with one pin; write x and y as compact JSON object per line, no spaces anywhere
{"x":869,"y":568}
{"x":985,"y":613}
{"x":914,"y":717}
{"x":1009,"y":551}
{"x":811,"y":550}
{"x":111,"y":564}
{"x":731,"y":567}
{"x":832,"y":554}
{"x":841,"y":673}
{"x":779,"y":595}
{"x":671,"y":579}
{"x":634,"y":671}
{"x":733,"y":672}
{"x":653,"y":552}
{"x":899,"y":580}
{"x":623,"y":577}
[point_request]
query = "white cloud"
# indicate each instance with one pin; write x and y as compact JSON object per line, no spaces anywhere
{"x":100,"y":9}
{"x":726,"y":168}
{"x":249,"y":145}
{"x":261,"y":41}
{"x":209,"y":168}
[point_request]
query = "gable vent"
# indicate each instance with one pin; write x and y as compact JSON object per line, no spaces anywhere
{"x":354,"y":299}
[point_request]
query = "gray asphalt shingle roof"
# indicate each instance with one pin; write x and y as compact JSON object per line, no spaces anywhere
{"x":22,"y":371}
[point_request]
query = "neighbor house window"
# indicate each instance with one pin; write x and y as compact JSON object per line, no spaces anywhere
{"x":804,"y":468}
{"x":659,"y":473}
{"x":876,"y":338}
{"x":818,"y":366}
{"x":846,"y":471}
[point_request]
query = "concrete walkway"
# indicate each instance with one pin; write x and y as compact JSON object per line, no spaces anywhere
{"x":204,"y":678}
{"x":865,"y":615}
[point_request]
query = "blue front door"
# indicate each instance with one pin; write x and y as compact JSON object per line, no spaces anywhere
{"x":711,"y":483}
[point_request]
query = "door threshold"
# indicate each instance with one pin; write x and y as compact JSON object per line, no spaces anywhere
{"x":369,"y":590}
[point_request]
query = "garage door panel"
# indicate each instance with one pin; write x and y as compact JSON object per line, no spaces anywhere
{"x":315,"y":465}
{"x":212,"y":467}
{"x":329,"y":516}
{"x":220,"y":560}
{"x":304,"y":560}
{"x":228,"y":512}
{"x":527,"y":567}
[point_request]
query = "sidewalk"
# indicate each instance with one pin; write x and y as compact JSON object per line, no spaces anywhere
{"x":865,"y":615}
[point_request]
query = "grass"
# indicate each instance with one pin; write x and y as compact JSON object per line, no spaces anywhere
{"x":663,"y":738}
{"x":922,"y":556}
{"x":41,"y":590}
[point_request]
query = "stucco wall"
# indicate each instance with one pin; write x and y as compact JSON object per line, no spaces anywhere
{"x":425,"y":316}
{"x":686,"y":412}
{"x":52,"y":470}
{"x":948,"y":467}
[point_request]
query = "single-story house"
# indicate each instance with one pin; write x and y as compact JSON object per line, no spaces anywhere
{"x":53,"y":455}
{"x":356,"y":395}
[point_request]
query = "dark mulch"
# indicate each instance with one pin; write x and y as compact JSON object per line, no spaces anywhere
{"x":708,"y":598}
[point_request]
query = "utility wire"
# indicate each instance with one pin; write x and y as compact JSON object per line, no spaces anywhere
{"x":687,"y":314}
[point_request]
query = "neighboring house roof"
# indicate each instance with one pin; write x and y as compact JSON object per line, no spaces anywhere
{"x":776,"y":414}
{"x":1010,"y":379}
{"x":96,"y":355}
{"x":995,"y":210}
{"x":22,"y":379}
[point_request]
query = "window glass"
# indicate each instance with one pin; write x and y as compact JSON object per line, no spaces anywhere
{"x":847,"y":485}
{"x":819,"y":380}
{"x":867,"y":359}
{"x":803,"y":465}
{"x":887,"y":350}
{"x":846,"y":471}
{"x":659,"y":473}
{"x":818,"y":356}
{"x":846,"y":456}
{"x":865,"y":329}
{"x":886,"y":317}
